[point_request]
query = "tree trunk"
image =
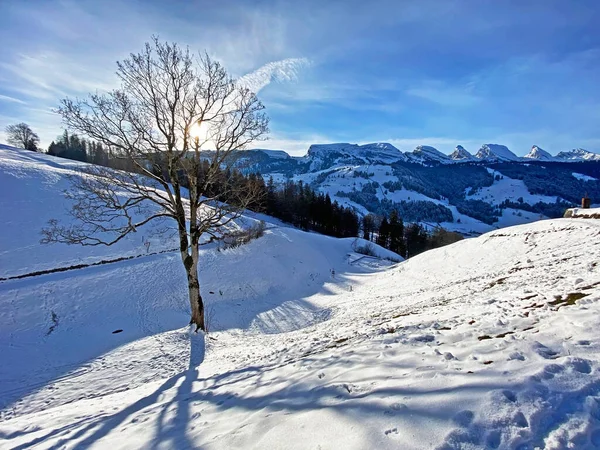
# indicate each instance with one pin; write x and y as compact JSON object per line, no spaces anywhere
{"x":196,"y":303}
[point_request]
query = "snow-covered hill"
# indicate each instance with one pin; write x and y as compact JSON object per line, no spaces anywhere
{"x":487,"y":343}
{"x":33,"y":186}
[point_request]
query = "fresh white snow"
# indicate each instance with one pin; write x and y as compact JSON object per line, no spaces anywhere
{"x":33,"y":186}
{"x":487,"y":343}
{"x":583,"y":177}
{"x":508,"y":189}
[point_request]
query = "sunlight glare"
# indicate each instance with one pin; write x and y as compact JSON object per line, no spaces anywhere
{"x":201,"y":132}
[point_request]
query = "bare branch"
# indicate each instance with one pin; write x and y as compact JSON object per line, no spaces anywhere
{"x":165,"y":94}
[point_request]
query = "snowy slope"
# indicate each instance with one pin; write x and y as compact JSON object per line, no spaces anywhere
{"x":582,"y":177}
{"x":539,"y":154}
{"x":587,"y":213}
{"x":508,"y":189}
{"x":488,"y":343}
{"x":33,"y":184}
{"x":469,"y":346}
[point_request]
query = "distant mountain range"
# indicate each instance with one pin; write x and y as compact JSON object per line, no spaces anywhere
{"x":425,"y":154}
{"x":461,"y":191}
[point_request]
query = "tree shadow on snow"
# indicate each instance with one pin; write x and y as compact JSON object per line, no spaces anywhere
{"x":178,"y":421}
{"x":172,"y":421}
{"x":245,"y":304}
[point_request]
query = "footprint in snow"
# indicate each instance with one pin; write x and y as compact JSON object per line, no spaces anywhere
{"x":516,"y":356}
{"x":509,"y":395}
{"x":551,"y":370}
{"x":545,"y":352}
{"x":493,"y":439}
{"x":424,"y":338}
{"x":463,"y":418}
{"x":395,"y":408}
{"x":520,"y":420}
{"x":580,"y":365}
{"x":595,"y":438}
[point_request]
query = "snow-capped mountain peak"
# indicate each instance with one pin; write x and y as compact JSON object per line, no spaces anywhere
{"x":278,"y":154}
{"x":496,"y":152}
{"x":539,"y":154}
{"x":578,"y":154}
{"x":460,"y":154}
{"x":427,"y":153}
{"x":323,"y":156}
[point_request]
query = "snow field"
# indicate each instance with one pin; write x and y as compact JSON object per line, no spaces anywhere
{"x":461,"y":347}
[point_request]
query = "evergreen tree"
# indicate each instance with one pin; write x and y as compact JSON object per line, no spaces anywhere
{"x":396,"y":227}
{"x":383,"y":236}
{"x":416,"y":239}
{"x":368,"y":227}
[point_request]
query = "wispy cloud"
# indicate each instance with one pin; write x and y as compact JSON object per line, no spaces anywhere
{"x":490,"y":79}
{"x":285,"y":70}
{"x":445,"y":95}
{"x":7,"y":98}
{"x":50,"y":75}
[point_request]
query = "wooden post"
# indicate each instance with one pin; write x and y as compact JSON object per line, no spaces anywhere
{"x":586,"y":203}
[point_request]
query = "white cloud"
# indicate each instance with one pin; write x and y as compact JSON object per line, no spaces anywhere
{"x":285,"y":70}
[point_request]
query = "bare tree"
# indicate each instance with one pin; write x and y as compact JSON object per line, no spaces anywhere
{"x":170,"y":109}
{"x":21,"y":135}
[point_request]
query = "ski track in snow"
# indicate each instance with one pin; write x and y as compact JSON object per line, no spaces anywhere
{"x":487,"y":343}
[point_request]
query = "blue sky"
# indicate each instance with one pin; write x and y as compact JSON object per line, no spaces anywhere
{"x":439,"y":73}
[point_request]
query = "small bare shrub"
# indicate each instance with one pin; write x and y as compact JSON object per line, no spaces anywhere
{"x":239,"y":238}
{"x":365,"y":249}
